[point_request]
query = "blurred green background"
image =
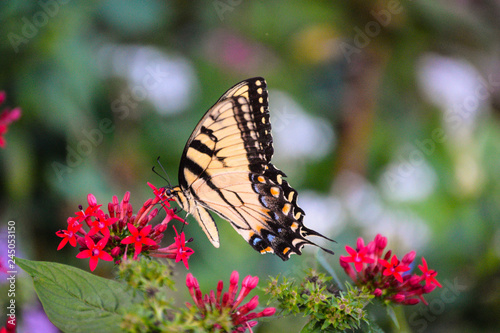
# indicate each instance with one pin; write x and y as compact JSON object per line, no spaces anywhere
{"x":385,"y":118}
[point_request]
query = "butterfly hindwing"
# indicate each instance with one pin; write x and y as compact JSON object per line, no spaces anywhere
{"x":225,"y":168}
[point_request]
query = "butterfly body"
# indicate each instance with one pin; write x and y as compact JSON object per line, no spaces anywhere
{"x":225,"y":168}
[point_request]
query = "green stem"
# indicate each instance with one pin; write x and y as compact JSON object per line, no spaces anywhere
{"x":321,"y":259}
{"x":404,"y":327}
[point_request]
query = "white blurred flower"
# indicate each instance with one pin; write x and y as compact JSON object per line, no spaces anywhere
{"x":363,"y":205}
{"x":462,"y":94}
{"x":324,"y":213}
{"x":408,"y":180}
{"x":167,"y":81}
{"x":297,"y":134}
{"x":455,"y":86}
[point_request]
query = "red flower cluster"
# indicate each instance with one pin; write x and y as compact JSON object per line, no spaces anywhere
{"x":385,"y":275}
{"x":229,"y":301}
{"x":6,"y":329}
{"x":10,"y":326}
{"x":110,"y":235}
{"x":6,"y":118}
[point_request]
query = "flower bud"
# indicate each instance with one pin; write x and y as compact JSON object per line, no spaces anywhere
{"x":220,"y":286}
{"x":371,"y":248}
{"x":234,"y":278}
{"x":388,"y":255}
{"x":92,"y":200}
{"x":268,"y":312}
{"x":408,"y":258}
{"x":398,"y":298}
{"x":81,"y":242}
{"x":253,"y":303}
{"x":189,"y":280}
{"x":412,"y":301}
{"x":360,"y":244}
{"x":126,"y":197}
{"x":428,"y":288}
{"x":111,"y":209}
{"x":380,"y":241}
{"x":115,"y":252}
{"x":415,"y":279}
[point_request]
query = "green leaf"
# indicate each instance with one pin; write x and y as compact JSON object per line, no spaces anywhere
{"x":392,"y":315}
{"x":372,"y":327}
{"x":77,"y":301}
{"x":311,"y":327}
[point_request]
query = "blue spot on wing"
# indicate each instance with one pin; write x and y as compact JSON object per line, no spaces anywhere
{"x":256,"y":241}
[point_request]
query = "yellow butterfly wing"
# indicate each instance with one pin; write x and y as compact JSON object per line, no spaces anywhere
{"x":225,"y":168}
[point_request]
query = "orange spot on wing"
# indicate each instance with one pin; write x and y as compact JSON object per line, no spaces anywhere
{"x":267,"y":250}
{"x":286,"y":209}
{"x":275,"y":191}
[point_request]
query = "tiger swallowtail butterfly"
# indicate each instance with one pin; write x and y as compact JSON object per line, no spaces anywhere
{"x":226,"y":168}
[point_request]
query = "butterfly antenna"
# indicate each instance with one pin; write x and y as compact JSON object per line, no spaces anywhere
{"x":167,"y":179}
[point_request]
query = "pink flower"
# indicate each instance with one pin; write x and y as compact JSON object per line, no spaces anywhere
{"x":68,"y":235}
{"x":357,"y":257}
{"x":95,"y":252}
{"x":6,"y":118}
{"x":384,"y":277}
{"x":429,"y":275}
{"x":394,"y":268}
{"x":138,"y":238}
{"x":91,"y":211}
{"x":241,"y":316}
{"x":178,"y":250}
{"x":115,"y":230}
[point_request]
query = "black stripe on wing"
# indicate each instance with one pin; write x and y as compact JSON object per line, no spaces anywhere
{"x":201,"y":147}
{"x":253,"y":124}
{"x":255,"y":130}
{"x":255,"y":91}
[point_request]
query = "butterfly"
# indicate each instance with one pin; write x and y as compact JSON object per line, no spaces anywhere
{"x":226,"y":168}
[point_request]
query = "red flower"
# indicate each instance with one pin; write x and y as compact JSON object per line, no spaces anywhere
{"x":241,"y":316}
{"x":358,"y":258}
{"x":6,"y":118}
{"x":116,"y":230}
{"x":91,"y":211}
{"x":171,"y":215}
{"x":385,"y":279}
{"x":68,"y":235}
{"x":394,"y":268}
{"x":429,"y":274}
{"x":160,"y":196}
{"x":95,"y":252}
{"x":138,"y":238}
{"x":178,"y":250}
{"x":101,"y":224}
